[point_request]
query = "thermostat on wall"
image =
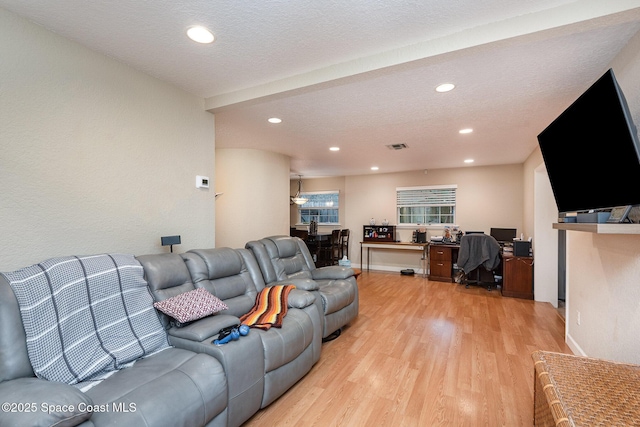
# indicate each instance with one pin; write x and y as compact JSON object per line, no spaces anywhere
{"x":202,"y":181}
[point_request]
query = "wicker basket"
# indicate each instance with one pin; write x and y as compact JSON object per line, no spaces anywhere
{"x":581,"y":391}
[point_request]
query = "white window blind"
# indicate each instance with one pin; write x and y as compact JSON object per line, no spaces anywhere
{"x":424,"y":196}
{"x":426,"y":205}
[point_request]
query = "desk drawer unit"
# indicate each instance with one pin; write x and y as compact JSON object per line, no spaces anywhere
{"x":440,"y":264}
{"x":517,"y":280}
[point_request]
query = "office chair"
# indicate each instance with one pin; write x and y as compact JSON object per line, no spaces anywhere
{"x":477,"y":250}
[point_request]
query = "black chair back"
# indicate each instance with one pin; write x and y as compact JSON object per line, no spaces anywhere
{"x":344,"y":242}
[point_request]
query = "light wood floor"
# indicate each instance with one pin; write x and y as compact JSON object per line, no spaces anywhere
{"x":424,"y":353}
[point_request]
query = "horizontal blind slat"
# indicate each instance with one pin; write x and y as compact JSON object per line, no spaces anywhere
{"x":426,"y":197}
{"x":321,"y":200}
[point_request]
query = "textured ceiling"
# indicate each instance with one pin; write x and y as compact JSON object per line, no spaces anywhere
{"x":361,"y":74}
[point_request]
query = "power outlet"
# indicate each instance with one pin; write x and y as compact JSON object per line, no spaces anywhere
{"x":578,"y":318}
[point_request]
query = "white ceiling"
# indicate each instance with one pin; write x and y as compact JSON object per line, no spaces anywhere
{"x":361,"y":74}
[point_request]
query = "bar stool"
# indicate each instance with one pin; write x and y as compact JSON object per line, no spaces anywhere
{"x":344,"y":243}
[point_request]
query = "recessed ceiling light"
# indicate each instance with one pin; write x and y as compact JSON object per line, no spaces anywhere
{"x":468,"y":161}
{"x":467,"y":130}
{"x":445,"y":87}
{"x":334,"y":148}
{"x":200,"y":34}
{"x":374,"y":168}
{"x":275,"y":120}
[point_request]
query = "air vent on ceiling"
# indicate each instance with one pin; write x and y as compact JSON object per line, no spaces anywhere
{"x":397,"y":146}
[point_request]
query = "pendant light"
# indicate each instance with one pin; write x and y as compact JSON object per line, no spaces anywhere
{"x":298,"y":199}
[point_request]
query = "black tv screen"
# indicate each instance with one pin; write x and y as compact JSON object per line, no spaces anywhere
{"x":591,"y":151}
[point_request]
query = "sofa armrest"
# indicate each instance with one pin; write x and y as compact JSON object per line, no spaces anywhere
{"x":35,"y":402}
{"x":332,"y":272}
{"x":204,"y":328}
{"x":302,"y":284}
{"x":300,"y":299}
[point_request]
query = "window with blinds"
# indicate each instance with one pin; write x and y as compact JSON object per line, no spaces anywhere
{"x":426,"y":205}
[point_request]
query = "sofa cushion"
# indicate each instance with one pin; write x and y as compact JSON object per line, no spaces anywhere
{"x":175,"y":387}
{"x":336,"y":294}
{"x":283,"y":345}
{"x":43,"y":403}
{"x":190,"y":306}
{"x":86,"y":316}
{"x":226,"y":273}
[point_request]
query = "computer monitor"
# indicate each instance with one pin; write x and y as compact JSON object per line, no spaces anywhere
{"x":503,"y":235}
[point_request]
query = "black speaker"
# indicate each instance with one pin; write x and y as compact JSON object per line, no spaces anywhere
{"x":170,"y":240}
{"x":521,"y":248}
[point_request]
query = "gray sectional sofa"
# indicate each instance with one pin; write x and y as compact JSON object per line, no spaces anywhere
{"x":82,"y":344}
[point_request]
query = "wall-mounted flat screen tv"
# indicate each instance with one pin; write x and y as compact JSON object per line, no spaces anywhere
{"x":591,"y":151}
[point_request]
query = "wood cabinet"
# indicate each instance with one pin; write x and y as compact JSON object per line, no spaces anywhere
{"x":517,"y":279}
{"x":441,"y":258}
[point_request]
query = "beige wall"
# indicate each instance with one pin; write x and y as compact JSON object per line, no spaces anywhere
{"x":255,"y":199}
{"x":603,"y":272}
{"x":95,"y":156}
{"x":603,"y":278}
{"x":533,"y":162}
{"x":540,"y":212}
{"x":486,"y":197}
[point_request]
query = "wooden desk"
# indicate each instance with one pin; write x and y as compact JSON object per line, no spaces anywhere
{"x":441,"y":259}
{"x":396,"y":246}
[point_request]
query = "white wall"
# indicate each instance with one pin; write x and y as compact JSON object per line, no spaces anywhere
{"x":255,"y":203}
{"x":95,"y":156}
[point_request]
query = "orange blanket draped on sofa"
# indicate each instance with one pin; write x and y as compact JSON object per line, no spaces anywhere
{"x":269,"y":309}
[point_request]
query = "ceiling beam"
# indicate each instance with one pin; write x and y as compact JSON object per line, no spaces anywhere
{"x":567,"y":18}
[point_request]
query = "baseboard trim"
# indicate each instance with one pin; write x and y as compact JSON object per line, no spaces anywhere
{"x":573,"y":345}
{"x":391,"y":268}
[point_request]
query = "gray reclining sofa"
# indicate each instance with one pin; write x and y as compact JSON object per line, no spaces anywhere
{"x":285,"y":259}
{"x":175,"y":376}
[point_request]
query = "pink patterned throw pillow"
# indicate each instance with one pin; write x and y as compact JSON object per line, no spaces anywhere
{"x":191,"y":305}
